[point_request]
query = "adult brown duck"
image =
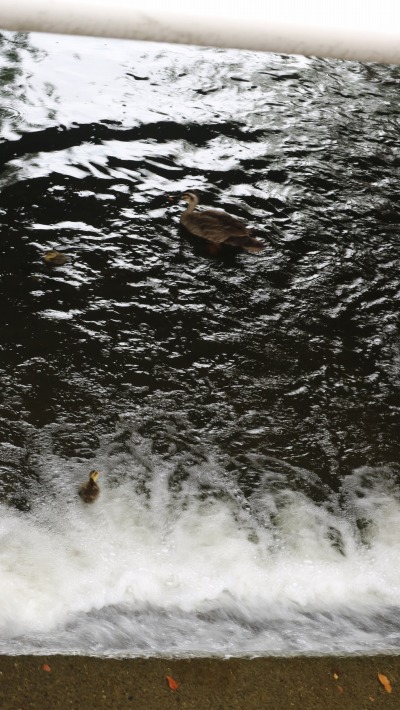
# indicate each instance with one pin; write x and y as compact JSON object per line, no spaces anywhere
{"x":90,"y":490}
{"x":217,"y":227}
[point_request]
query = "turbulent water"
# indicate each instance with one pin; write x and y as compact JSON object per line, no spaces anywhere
{"x":243,"y":410}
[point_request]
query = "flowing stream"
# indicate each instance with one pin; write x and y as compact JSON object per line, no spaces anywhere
{"x":243,"y":410}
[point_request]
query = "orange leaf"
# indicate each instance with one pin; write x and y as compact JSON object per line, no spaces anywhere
{"x":45,"y":667}
{"x":385,"y":682}
{"x":172,"y":684}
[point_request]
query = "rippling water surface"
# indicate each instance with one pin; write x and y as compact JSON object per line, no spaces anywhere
{"x":243,"y":409}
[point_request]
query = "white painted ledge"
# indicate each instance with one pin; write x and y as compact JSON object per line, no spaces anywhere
{"x":258,"y":28}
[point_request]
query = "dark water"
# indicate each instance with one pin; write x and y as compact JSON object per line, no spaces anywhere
{"x":243,"y":410}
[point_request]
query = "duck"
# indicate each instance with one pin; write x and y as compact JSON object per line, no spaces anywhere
{"x":217,"y":227}
{"x":90,"y":490}
{"x":54,"y":258}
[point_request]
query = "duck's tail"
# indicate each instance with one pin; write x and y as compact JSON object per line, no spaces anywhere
{"x":254,"y":248}
{"x":253,"y":245}
{"x":247,"y":243}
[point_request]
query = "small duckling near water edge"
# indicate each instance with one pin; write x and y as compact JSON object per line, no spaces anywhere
{"x":90,"y":490}
{"x":217,"y":226}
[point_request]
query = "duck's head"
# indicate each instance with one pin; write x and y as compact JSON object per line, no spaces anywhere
{"x":93,"y":476}
{"x":190,"y":197}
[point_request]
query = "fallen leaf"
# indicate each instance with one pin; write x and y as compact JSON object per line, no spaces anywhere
{"x":371,"y":698}
{"x":46,"y":668}
{"x":335,"y":675}
{"x":340,"y":689}
{"x":385,"y":682}
{"x":172,"y":684}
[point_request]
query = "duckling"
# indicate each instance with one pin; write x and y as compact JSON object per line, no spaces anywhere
{"x":90,"y":490}
{"x":54,"y":258}
{"x":217,"y":226}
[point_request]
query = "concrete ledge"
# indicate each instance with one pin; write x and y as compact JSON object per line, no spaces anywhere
{"x":255,"y":31}
{"x":204,"y":684}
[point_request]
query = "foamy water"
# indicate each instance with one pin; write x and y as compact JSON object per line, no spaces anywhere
{"x":181,"y":571}
{"x":236,"y":407}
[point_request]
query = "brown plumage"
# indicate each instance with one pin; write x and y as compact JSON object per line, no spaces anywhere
{"x":217,"y":227}
{"x":89,"y":491}
{"x":54,"y":258}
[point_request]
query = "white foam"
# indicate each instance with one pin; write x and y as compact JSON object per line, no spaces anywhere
{"x":80,"y":577}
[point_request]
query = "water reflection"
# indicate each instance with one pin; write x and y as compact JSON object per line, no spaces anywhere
{"x":247,"y":395}
{"x":18,"y":57}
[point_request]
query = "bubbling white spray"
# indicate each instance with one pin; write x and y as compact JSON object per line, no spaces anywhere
{"x":182,"y":571}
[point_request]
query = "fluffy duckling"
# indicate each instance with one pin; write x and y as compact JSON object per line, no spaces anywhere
{"x":90,"y":490}
{"x":54,"y":258}
{"x":217,"y":226}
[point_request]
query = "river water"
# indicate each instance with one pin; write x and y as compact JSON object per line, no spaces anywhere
{"x":243,"y":410}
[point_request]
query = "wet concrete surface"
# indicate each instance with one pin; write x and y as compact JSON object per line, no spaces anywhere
{"x":60,"y":682}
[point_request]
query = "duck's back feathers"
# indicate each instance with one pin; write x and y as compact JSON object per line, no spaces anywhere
{"x":218,"y":227}
{"x":213,"y":225}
